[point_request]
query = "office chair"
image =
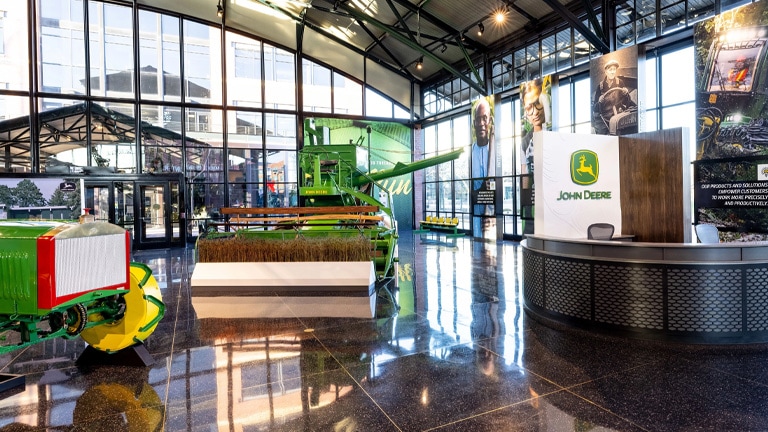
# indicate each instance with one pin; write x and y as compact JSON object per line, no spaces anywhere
{"x":707,"y":233}
{"x":600,"y":231}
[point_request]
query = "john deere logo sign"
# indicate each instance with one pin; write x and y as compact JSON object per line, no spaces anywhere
{"x":585,"y":167}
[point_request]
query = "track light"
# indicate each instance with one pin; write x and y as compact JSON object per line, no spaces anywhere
{"x":443,"y":48}
{"x":419,"y":63}
{"x":219,"y":10}
{"x":480,"y":29}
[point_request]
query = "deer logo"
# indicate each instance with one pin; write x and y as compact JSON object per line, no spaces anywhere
{"x":584,"y":167}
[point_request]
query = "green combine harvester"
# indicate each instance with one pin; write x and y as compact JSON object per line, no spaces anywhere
{"x":345,"y":214}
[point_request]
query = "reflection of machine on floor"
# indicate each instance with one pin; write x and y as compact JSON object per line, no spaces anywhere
{"x":328,"y":257}
{"x":111,"y":407}
{"x":115,"y":399}
{"x":66,"y":280}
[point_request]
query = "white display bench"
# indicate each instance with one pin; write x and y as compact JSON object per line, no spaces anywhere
{"x":284,"y":289}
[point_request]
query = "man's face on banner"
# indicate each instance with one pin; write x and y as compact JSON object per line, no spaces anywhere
{"x":483,"y":128}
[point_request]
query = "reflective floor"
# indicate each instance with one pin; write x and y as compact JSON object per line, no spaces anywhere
{"x":460,"y":355}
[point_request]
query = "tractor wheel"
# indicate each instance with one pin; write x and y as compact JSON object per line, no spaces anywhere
{"x":143,"y":310}
{"x":75,"y":319}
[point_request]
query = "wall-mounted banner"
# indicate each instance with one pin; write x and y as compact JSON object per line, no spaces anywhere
{"x":616,"y":92}
{"x":485,"y":165}
{"x":577,"y":183}
{"x":536,"y":101}
{"x":537,"y":115}
{"x":731,"y":59}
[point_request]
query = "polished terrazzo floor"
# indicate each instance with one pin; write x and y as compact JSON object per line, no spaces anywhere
{"x":460,"y":355}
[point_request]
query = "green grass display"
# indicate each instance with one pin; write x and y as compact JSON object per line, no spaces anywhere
{"x":240,"y":249}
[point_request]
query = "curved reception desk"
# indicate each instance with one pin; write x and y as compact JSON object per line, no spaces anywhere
{"x":696,"y":293}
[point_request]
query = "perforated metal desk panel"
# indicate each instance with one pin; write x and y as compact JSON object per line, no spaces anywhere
{"x":698,"y":293}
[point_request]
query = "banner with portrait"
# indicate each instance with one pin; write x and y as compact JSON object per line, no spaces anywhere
{"x":485,"y":166}
{"x":536,"y":110}
{"x":616,"y":94}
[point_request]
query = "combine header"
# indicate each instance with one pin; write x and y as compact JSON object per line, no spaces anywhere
{"x":344,"y":226}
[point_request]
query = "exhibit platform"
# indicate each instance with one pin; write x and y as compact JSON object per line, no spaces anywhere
{"x":284,"y":289}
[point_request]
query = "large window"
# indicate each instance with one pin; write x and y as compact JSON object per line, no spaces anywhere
{"x":162,"y":144}
{"x":245,"y":159}
{"x":202,"y":64}
{"x":638,"y":21}
{"x":62,"y":47}
{"x":348,"y":96}
{"x":14,"y":66}
{"x":317,"y":87}
{"x":279,"y":78}
{"x":159,"y":57}
{"x":671,"y":103}
{"x":453,"y":93}
{"x":244,"y":71}
{"x":111,"y":50}
{"x":376,"y":105}
{"x":447,"y":184}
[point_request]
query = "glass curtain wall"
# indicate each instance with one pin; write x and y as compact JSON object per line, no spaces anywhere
{"x":148,"y":97}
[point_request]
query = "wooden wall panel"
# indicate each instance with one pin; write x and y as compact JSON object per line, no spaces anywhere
{"x":656,"y":186}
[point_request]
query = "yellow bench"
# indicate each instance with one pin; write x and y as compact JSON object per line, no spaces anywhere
{"x":434,"y":223}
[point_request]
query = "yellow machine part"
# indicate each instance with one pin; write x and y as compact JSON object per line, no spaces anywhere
{"x":143,"y":310}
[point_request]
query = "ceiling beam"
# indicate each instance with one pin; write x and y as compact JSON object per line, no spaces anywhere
{"x":591,"y":37}
{"x":384,"y":47}
{"x":523,"y":12}
{"x":395,"y":33}
{"x":401,"y":20}
{"x":592,"y":17}
{"x":439,"y":23}
{"x":303,"y":22}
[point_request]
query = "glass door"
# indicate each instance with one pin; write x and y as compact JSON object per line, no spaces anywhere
{"x":150,"y":210}
{"x":154,"y":220}
{"x":124,"y":210}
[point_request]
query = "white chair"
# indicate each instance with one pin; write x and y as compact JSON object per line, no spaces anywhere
{"x":707,"y":233}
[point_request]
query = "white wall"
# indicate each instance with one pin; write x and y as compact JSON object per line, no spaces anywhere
{"x":566,"y":199}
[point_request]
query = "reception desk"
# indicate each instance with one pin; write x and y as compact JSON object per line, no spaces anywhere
{"x":696,"y":293}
